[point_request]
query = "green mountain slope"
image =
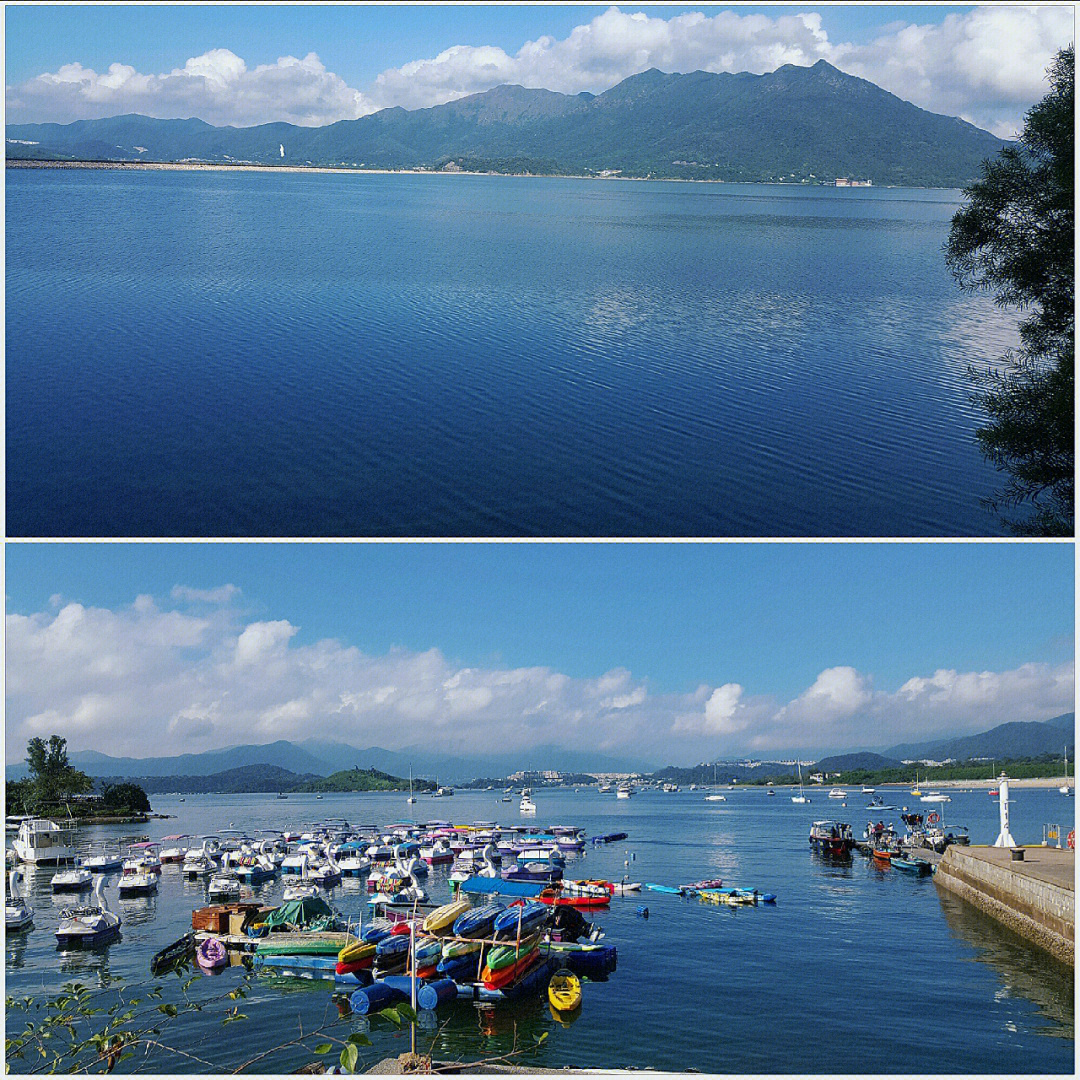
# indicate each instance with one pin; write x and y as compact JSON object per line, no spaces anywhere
{"x":793,"y":124}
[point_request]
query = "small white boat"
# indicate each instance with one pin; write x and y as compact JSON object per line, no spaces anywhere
{"x":527,"y":805}
{"x":138,"y":883}
{"x":624,"y":791}
{"x":106,"y":860}
{"x":176,"y":851}
{"x":1065,"y":789}
{"x":91,"y":925}
{"x":935,"y":797}
{"x":74,"y":879}
{"x":716,"y":798}
{"x":18,"y":914}
{"x":802,"y":797}
{"x":224,"y":887}
{"x":837,"y":793}
{"x":868,"y":790}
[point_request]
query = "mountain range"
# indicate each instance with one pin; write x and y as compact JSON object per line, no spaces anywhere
{"x":315,"y":757}
{"x":1013,"y":740}
{"x":795,"y":124}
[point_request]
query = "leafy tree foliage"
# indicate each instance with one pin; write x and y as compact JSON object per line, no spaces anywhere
{"x":52,"y":779}
{"x":1014,"y":237}
{"x":124,"y":797}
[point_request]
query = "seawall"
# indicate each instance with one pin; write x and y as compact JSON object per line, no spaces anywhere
{"x":1036,"y":898}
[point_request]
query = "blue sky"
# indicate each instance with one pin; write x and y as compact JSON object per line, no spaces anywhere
{"x":313,"y":65}
{"x":357,"y":43}
{"x":848,"y":624}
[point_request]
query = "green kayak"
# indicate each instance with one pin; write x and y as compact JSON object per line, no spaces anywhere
{"x":502,"y":956}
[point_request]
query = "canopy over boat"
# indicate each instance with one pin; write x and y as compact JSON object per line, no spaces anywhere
{"x":502,"y":886}
{"x":302,"y":912}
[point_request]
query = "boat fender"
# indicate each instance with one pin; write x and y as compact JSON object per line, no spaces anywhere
{"x":643,"y":912}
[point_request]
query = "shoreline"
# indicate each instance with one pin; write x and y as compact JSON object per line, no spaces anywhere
{"x":206,"y":166}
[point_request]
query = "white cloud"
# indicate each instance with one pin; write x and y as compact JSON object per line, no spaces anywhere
{"x":986,"y":65}
{"x":143,"y":680}
{"x":217,"y":87}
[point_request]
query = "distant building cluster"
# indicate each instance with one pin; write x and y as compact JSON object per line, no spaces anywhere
{"x":845,"y":181}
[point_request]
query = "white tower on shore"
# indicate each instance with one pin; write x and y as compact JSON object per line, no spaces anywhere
{"x":1005,"y":838}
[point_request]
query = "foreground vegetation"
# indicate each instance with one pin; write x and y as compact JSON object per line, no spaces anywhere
{"x":1014,"y":238}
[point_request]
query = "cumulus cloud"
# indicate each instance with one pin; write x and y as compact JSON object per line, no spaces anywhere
{"x":986,"y":65}
{"x":217,"y":87}
{"x":149,"y":679}
{"x":221,"y":595}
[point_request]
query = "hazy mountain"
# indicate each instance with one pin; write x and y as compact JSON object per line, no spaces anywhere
{"x":1012,"y":740}
{"x":320,"y":757}
{"x":793,"y":124}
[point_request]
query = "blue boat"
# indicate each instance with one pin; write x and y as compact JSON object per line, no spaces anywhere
{"x":535,"y":980}
{"x":593,"y":962}
{"x":460,"y":968}
{"x":477,"y":922}
{"x":501,"y":887}
{"x":529,"y":916}
{"x":912,"y":866}
{"x":392,"y":946}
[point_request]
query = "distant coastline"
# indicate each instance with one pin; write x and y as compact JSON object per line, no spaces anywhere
{"x":206,"y":166}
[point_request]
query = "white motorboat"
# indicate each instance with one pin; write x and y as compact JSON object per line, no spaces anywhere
{"x":138,"y":883}
{"x":224,"y":887}
{"x":18,"y":914}
{"x":527,"y":805}
{"x":868,"y":790}
{"x":837,"y":793}
{"x":935,"y":797}
{"x":44,"y":842}
{"x":624,"y":791}
{"x":72,"y":879}
{"x":716,"y":798}
{"x":94,"y":924}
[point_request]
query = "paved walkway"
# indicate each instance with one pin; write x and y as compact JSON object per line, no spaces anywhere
{"x":1057,"y":867}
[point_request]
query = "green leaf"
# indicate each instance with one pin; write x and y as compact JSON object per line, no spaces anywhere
{"x":348,"y":1058}
{"x":233,"y":1017}
{"x":542,"y":1037}
{"x":360,"y":1039}
{"x":168,"y":1009}
{"x":391,"y":1015}
{"x":407,"y":1011}
{"x":323,"y":1048}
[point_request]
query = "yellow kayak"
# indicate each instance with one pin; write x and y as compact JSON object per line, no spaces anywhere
{"x":564,"y":991}
{"x":356,"y":950}
{"x":442,"y":919}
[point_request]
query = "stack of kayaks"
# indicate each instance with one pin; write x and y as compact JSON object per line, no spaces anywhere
{"x":507,"y":963}
{"x":427,"y":953}
{"x":377,"y":930}
{"x":358,"y":956}
{"x":520,"y":919}
{"x":391,"y":954}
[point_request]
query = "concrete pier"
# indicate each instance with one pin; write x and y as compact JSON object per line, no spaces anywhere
{"x":1035,"y":898}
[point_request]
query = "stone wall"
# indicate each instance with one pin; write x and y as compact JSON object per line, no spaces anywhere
{"x":1040,"y":911}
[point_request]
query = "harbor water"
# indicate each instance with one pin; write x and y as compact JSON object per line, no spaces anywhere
{"x":856,"y":969}
{"x":251,"y":354}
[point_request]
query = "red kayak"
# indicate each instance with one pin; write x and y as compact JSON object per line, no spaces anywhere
{"x":354,"y":965}
{"x":575,"y":901}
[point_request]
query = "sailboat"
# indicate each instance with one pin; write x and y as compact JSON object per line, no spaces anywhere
{"x":1065,"y":789}
{"x":412,"y":799}
{"x":915,"y":790}
{"x":801,"y":797}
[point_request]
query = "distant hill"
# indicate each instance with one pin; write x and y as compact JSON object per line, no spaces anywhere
{"x":363,"y":780}
{"x":845,"y":762}
{"x":246,"y":778}
{"x":794,"y":124}
{"x":1017,"y":739}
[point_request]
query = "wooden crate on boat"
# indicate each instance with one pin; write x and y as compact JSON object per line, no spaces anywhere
{"x":217,"y":918}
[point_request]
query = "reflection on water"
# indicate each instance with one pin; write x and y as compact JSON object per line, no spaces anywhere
{"x":1025,"y":972}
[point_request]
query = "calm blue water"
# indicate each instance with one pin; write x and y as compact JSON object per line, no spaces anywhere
{"x":306,"y":355}
{"x":856,"y":969}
